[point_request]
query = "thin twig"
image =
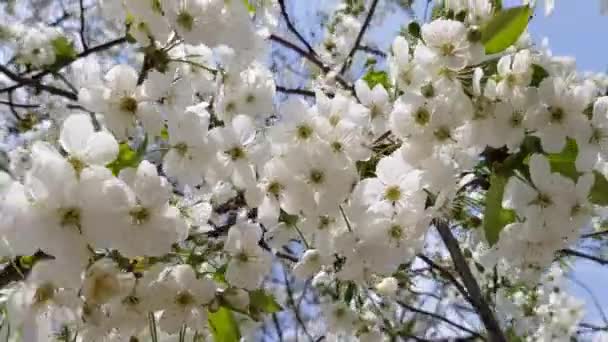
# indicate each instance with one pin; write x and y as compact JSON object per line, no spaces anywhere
{"x":296,"y":91}
{"x":293,"y":29}
{"x":571,"y":252}
{"x":441,"y":318}
{"x":366,"y":23}
{"x":83,"y":40}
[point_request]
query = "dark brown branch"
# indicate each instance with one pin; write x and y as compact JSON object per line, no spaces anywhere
{"x":447,"y":275}
{"x":22,"y":81}
{"x":82,"y":26}
{"x":312,"y":58}
{"x":18,"y":105}
{"x":595,"y":234}
{"x":571,"y":252}
{"x":366,"y":23}
{"x":296,"y":91}
{"x":293,"y":29}
{"x":372,"y":50}
{"x":84,"y":53}
{"x":475,"y":294}
{"x":441,"y":318}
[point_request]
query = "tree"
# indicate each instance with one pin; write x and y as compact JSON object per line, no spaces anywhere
{"x":217,"y":170}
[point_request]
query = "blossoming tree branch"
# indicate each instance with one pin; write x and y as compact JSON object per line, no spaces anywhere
{"x":225,"y":170}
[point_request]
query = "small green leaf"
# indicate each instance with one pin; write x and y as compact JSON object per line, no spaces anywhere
{"x":599,"y":191}
{"x":377,"y":77}
{"x":223,"y":325}
{"x":564,"y":162}
{"x":127,"y":157}
{"x":220,"y":274}
{"x":261,"y":302}
{"x":64,"y":50}
{"x":495,"y":217}
{"x":538,"y":75}
{"x":250,"y":6}
{"x":164,"y":133}
{"x":504,"y":28}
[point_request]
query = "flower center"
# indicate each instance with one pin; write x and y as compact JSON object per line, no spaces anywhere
{"x":274,"y":188}
{"x":422,"y":116}
{"x":396,"y":232}
{"x":392,"y":193}
{"x":516,"y":119}
{"x":77,"y":164}
{"x":303,"y":132}
{"x":139,"y":215}
{"x":442,"y":133}
{"x":185,"y":20}
{"x":128,"y":104}
{"x":184,"y":298}
{"x":44,"y":293}
{"x":447,"y":49}
{"x":70,"y":217}
{"x":236,"y":153}
{"x":337,"y":146}
{"x":181,"y":149}
{"x":316,"y":176}
{"x":557,"y":114}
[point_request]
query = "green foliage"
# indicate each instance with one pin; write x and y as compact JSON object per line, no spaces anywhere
{"x":504,"y":28}
{"x":261,"y":303}
{"x":538,"y":75}
{"x":64,"y":51}
{"x":377,"y":77}
{"x":564,"y":162}
{"x":127,"y":157}
{"x":495,"y":216}
{"x":223,"y":325}
{"x":250,"y":6}
{"x":413,"y":28}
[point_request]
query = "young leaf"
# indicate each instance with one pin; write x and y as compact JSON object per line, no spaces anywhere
{"x":127,"y":157}
{"x":599,"y":191}
{"x":261,"y":302}
{"x":64,"y":51}
{"x":495,"y":217}
{"x":223,"y":325}
{"x":376,"y":77}
{"x":504,"y":28}
{"x":564,"y":162}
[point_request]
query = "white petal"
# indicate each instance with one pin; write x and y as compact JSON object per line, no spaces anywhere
{"x":101,"y":149}
{"x":75,"y":133}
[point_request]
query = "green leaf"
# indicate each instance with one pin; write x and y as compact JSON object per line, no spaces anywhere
{"x":495,"y":217}
{"x":223,"y":325}
{"x":64,"y":50}
{"x":564,"y":162}
{"x":261,"y":302}
{"x":377,"y":77}
{"x":504,"y":28}
{"x":250,"y":7}
{"x":538,"y":75}
{"x":599,"y":191}
{"x":127,"y":157}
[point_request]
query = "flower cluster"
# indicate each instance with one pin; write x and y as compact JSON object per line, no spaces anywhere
{"x":164,"y":195}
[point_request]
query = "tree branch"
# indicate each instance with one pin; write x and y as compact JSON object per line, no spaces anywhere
{"x":366,"y":23}
{"x":34,"y":83}
{"x":43,"y":73}
{"x":477,"y":299}
{"x":441,"y":318}
{"x":293,"y":29}
{"x":312,"y":58}
{"x":372,"y":50}
{"x":296,"y":91}
{"x":82,"y":26}
{"x":571,"y":252}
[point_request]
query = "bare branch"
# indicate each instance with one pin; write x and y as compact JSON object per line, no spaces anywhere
{"x":82,"y":26}
{"x":477,"y":298}
{"x":296,"y":91}
{"x":293,"y":29}
{"x":366,"y":23}
{"x":441,"y":318}
{"x":571,"y":252}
